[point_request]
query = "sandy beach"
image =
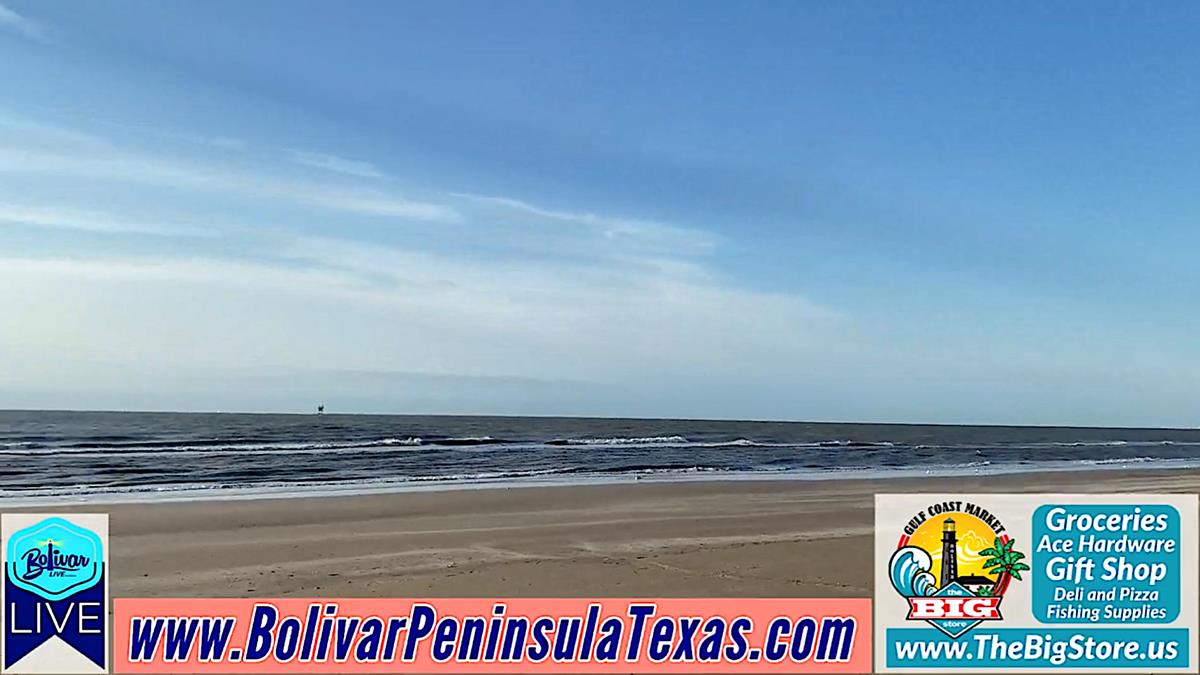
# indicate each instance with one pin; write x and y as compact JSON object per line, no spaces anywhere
{"x":740,"y":538}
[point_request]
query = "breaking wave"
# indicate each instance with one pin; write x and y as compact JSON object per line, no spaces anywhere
{"x":643,"y":440}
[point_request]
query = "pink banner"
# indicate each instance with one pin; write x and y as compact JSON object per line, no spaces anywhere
{"x":482,"y":635}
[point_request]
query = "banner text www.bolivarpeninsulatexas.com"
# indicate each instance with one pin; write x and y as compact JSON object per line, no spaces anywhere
{"x":483,"y":635}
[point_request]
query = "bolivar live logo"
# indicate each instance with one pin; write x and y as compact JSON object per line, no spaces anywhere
{"x":55,"y":593}
{"x":953,"y":564}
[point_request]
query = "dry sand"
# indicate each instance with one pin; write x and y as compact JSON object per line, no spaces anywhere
{"x":744,"y":538}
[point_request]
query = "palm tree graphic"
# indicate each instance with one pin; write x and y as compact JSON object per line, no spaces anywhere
{"x":1005,"y":561}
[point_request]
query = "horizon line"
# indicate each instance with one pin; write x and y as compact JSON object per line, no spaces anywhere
{"x":314,"y":413}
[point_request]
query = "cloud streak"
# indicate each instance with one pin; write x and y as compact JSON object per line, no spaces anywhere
{"x":55,"y":152}
{"x":93,"y":221}
{"x":349,"y":167}
{"x":37,"y":149}
{"x":25,"y":26}
{"x":373,"y":203}
{"x":685,"y":240}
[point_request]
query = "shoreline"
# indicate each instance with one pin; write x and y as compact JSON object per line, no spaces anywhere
{"x":401,"y":487}
{"x":667,"y":539}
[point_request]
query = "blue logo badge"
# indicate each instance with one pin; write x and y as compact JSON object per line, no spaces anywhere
{"x":55,"y":558}
{"x":54,"y":586}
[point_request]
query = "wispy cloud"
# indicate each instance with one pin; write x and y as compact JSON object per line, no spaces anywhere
{"x":377,"y":204}
{"x":507,"y":228}
{"x":24,"y":25}
{"x":30,"y":148}
{"x":92,"y":221}
{"x":684,"y":240}
{"x":25,"y":132}
{"x":349,"y":167}
{"x":34,"y":148}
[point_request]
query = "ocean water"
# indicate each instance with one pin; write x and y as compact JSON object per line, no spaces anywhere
{"x":101,"y":456}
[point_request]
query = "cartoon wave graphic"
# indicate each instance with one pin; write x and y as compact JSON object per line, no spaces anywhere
{"x":909,"y":572}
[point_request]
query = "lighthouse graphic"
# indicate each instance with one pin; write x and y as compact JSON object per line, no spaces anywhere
{"x":949,"y":553}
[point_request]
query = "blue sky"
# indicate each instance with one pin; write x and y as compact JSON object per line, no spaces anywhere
{"x":929,"y":212}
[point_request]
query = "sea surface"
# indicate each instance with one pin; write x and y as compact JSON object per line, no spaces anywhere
{"x":102,"y":456}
